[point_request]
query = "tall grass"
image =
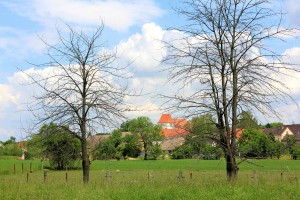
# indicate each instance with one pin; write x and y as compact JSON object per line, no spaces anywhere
{"x":267,"y":179}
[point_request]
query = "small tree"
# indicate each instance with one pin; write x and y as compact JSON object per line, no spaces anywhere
{"x":247,"y":120}
{"x":149,"y":135}
{"x":61,"y":148}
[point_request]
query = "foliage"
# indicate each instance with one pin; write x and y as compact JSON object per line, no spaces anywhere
{"x":182,"y":152}
{"x":295,"y":152}
{"x":274,"y":125}
{"x":290,"y":142}
{"x":253,"y":143}
{"x":132,"y":146}
{"x":246,"y":120}
{"x":116,"y":146}
{"x":56,"y":144}
{"x":210,"y":152}
{"x":202,"y":131}
{"x":10,"y":149}
{"x":149,"y":135}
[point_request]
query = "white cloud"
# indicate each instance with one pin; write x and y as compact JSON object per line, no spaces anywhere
{"x":145,"y":48}
{"x":117,"y":14}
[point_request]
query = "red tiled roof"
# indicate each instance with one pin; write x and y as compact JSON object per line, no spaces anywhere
{"x":179,"y":126}
{"x":174,"y":132}
{"x":166,"y":118}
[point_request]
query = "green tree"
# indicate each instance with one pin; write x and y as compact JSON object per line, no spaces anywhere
{"x":132,"y":146}
{"x":149,"y":135}
{"x":203,"y":131}
{"x":290,"y":142}
{"x":59,"y":146}
{"x":108,"y":148}
{"x":253,"y":143}
{"x":246,"y":120}
{"x":274,"y":125}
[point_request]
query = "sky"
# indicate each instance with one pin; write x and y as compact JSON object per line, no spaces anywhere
{"x":134,"y":27}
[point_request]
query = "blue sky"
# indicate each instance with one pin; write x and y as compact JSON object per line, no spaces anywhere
{"x":132,"y":26}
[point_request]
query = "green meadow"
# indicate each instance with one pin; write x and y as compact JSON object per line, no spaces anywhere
{"x":202,"y":179}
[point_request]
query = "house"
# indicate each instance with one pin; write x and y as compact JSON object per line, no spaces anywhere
{"x":172,"y":127}
{"x":170,"y":143}
{"x":173,"y":130}
{"x":279,"y":132}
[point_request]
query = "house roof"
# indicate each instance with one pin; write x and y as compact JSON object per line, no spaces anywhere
{"x":179,"y":126}
{"x":174,"y":132}
{"x":275,"y":131}
{"x":166,"y":118}
{"x":171,"y":143}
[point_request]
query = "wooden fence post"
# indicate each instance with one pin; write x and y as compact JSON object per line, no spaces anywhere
{"x":27,"y":179}
{"x":45,"y":176}
{"x":31,"y":168}
{"x":66,"y":177}
{"x":22,"y":168}
{"x":191,"y":175}
{"x":180,"y":176}
{"x":107,"y":176}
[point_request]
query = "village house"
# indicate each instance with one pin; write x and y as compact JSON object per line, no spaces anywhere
{"x":173,"y":131}
{"x":281,"y":133}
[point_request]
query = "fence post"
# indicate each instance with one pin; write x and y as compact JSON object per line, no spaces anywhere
{"x":191,"y":175}
{"x":27,"y":179}
{"x":107,"y":176}
{"x":180,"y":176}
{"x":22,"y":168}
{"x":149,"y":175}
{"x":45,"y":176}
{"x":66,"y":177}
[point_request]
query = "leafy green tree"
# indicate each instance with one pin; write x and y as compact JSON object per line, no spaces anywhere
{"x":246,"y":120}
{"x":149,"y":135}
{"x":108,"y":148}
{"x":11,"y":149}
{"x":182,"y":152}
{"x":290,"y":142}
{"x":132,"y":146}
{"x":295,"y":152}
{"x":210,"y":152}
{"x":274,"y":125}
{"x":58,"y":145}
{"x":203,"y":132}
{"x":253,"y":143}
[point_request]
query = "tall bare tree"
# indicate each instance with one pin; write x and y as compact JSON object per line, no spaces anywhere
{"x":84,"y":88}
{"x":225,"y":58}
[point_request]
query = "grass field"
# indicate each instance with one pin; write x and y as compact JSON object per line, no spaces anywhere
{"x":272,"y":179}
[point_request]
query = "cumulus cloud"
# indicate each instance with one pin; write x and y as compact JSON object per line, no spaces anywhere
{"x":117,"y":14}
{"x":145,"y":48}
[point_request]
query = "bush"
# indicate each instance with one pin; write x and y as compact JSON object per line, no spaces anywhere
{"x":182,"y":152}
{"x":210,"y":152}
{"x":295,"y":153}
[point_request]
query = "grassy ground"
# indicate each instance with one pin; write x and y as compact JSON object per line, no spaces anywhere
{"x":277,"y":179}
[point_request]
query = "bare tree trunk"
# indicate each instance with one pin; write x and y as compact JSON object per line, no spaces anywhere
{"x":85,"y":162}
{"x":231,"y":166}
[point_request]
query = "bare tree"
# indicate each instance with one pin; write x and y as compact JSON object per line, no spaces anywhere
{"x":224,"y":57}
{"x":84,"y":88}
